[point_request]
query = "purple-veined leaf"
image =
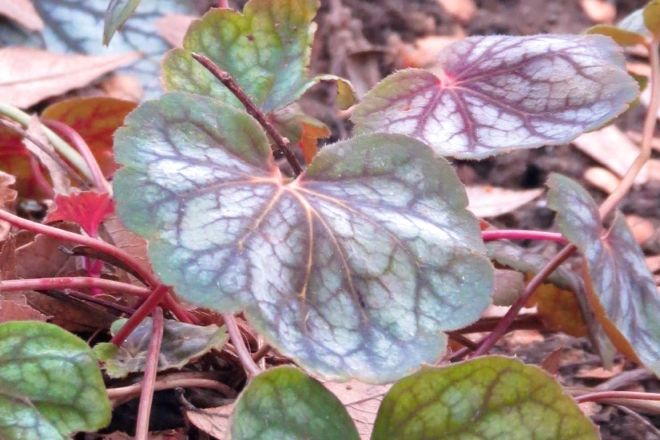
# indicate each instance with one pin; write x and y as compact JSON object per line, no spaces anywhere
{"x":284,"y":403}
{"x":617,"y":275}
{"x":487,"y":398}
{"x":489,"y":95}
{"x":266,"y":49}
{"x":77,"y":26}
{"x":353,"y":269}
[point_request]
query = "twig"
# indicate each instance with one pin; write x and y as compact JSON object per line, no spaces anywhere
{"x":652,"y":429}
{"x":57,"y":142}
{"x":259,"y":354}
{"x":150,"y":371}
{"x":503,"y":325}
{"x":100,"y":301}
{"x":606,"y":395}
{"x":647,"y":137}
{"x":16,"y":128}
{"x":225,"y":78}
{"x":123,"y":394}
{"x":464,"y":341}
{"x":71,"y":283}
{"x":148,"y":306}
{"x":100,"y":246}
{"x":522,"y":234}
{"x":624,"y":379}
{"x":79,"y":143}
{"x":251,"y":368}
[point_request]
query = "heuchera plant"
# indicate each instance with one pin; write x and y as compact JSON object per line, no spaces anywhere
{"x":356,"y":266}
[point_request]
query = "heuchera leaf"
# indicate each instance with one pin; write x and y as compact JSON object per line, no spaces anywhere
{"x":285,"y":403}
{"x":50,"y":386}
{"x":181,"y":343}
{"x":353,"y":269}
{"x":86,"y":208}
{"x":138,"y":34}
{"x":487,"y":398}
{"x":266,"y":49}
{"x":95,"y":119}
{"x":496,"y":93}
{"x":618,"y":279}
{"x":116,"y":15}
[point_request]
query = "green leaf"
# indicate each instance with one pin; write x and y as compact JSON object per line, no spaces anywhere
{"x":50,"y":384}
{"x":181,"y":343}
{"x":352,"y":269}
{"x":266,"y":49}
{"x":116,"y":15}
{"x":621,"y":36}
{"x":489,"y":95}
{"x":284,"y":403}
{"x":617,"y":272}
{"x":486,"y":398}
{"x":652,"y":17}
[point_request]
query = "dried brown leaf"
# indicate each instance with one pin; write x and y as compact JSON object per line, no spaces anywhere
{"x":461,"y":10}
{"x":173,"y":27}
{"x":602,"y":179}
{"x":612,"y":148}
{"x":23,"y":13}
{"x":490,"y":201}
{"x":121,"y":86}
{"x":213,"y":421}
{"x":7,"y":197}
{"x":28,"y":75}
{"x":361,"y":401}
{"x":599,"y":11}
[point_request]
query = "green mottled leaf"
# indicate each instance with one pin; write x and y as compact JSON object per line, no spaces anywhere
{"x":181,"y":343}
{"x":50,"y":385}
{"x":86,"y":34}
{"x":618,"y":277}
{"x":489,"y":95}
{"x":284,"y":403}
{"x":621,"y":36}
{"x":116,"y":15}
{"x":352,"y":269}
{"x":487,"y":398}
{"x":651,"y":13}
{"x":266,"y":49}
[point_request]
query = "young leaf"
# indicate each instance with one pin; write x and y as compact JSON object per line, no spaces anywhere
{"x":353,"y":269}
{"x":621,"y":36}
{"x":51,"y":385}
{"x":30,"y":75}
{"x":487,"y":398}
{"x":266,"y":49}
{"x":116,"y":15}
{"x":95,"y":119}
{"x":87,"y":208}
{"x":181,"y":343}
{"x":285,"y":403}
{"x":497,"y":93}
{"x":620,"y":284}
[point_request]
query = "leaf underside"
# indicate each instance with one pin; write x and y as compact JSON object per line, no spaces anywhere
{"x":285,"y":403}
{"x":181,"y":343}
{"x":266,"y":49}
{"x":50,"y":384}
{"x":353,"y":269}
{"x":493,"y":94}
{"x":487,"y":398}
{"x":617,"y":272}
